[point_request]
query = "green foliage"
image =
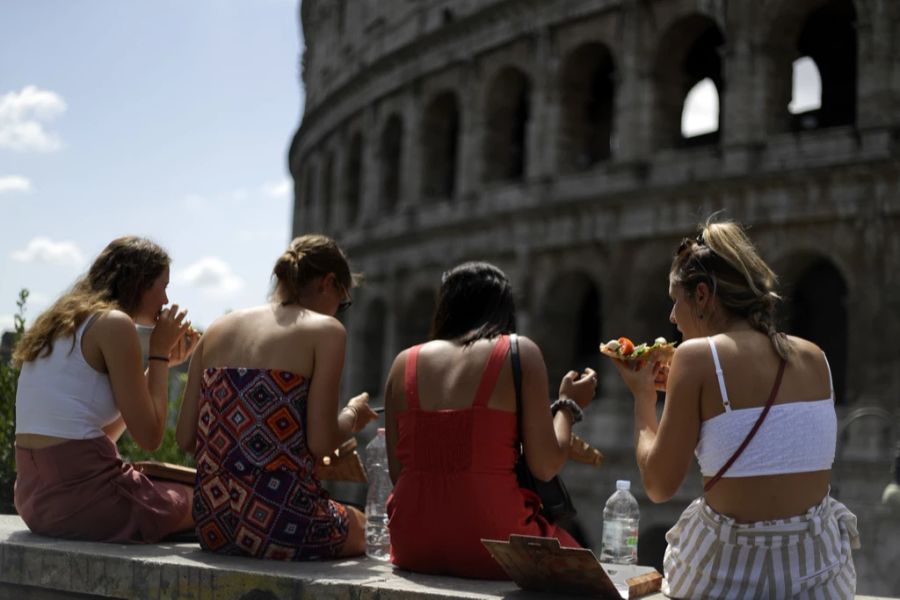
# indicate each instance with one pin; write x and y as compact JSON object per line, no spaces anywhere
{"x":168,"y":450}
{"x":9,"y":379}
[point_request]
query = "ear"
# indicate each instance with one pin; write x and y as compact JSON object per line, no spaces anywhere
{"x":702,"y":294}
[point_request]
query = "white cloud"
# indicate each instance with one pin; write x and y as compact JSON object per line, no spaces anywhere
{"x":44,"y":250}
{"x":14,"y":183}
{"x":7,"y":323}
{"x":211,"y":274}
{"x":23,"y":116}
{"x":278,"y":189}
{"x":701,"y":109}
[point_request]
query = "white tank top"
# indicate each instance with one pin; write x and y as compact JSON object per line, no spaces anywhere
{"x":62,"y":395}
{"x":796,"y":437}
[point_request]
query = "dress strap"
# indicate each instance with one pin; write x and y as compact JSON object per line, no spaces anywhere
{"x":491,"y":371}
{"x":725,"y":402}
{"x":410,"y":383}
{"x":830,"y":381}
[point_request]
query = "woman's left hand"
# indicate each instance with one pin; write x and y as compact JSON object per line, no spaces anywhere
{"x":642,"y":377}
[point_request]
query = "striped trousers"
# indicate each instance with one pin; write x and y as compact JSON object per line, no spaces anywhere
{"x":808,"y":556}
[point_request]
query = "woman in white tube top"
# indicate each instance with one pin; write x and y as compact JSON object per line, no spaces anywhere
{"x":768,"y":527}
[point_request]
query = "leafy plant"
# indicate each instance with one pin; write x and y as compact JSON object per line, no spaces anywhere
{"x":9,"y":378}
{"x":168,"y":450}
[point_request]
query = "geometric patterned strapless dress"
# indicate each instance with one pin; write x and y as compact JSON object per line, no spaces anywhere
{"x":256,"y":493}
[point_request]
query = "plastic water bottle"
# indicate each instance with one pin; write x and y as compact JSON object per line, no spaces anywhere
{"x":378,"y":540}
{"x":620,"y":526}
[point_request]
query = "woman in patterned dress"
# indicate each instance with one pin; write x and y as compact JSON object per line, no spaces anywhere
{"x":261,"y":404}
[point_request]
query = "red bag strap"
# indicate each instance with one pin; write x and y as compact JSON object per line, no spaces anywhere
{"x":409,"y":378}
{"x":756,"y":426}
{"x":491,"y":371}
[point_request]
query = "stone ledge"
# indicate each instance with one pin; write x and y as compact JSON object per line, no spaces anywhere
{"x":33,"y":567}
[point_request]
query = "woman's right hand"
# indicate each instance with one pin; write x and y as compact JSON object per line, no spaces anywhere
{"x":362,"y":411}
{"x":580,"y":388}
{"x":170,"y":329}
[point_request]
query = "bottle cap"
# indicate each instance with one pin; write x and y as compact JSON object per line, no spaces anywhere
{"x":623,"y":484}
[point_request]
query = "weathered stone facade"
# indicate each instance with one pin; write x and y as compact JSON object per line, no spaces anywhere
{"x":544,"y":136}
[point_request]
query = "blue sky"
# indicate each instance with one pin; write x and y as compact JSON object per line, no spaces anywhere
{"x":169,"y":119}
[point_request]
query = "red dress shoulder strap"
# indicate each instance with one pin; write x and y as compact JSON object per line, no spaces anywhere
{"x":409,"y":380}
{"x":491,"y":371}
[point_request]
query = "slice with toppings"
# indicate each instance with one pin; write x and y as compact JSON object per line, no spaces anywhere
{"x":624,"y":349}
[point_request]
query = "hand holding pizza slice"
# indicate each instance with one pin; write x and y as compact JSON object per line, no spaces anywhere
{"x":624,"y":349}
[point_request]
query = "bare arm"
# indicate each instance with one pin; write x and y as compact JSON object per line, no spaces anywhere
{"x":186,"y":429}
{"x":664,"y":449}
{"x":393,"y":405}
{"x":115,"y":429}
{"x":143,"y":401}
{"x":547,"y":438}
{"x":329,"y":428}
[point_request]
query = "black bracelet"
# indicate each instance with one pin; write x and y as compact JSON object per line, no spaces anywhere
{"x":162,"y":358}
{"x":568,"y":405}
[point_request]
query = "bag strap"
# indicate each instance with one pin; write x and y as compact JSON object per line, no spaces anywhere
{"x":517,"y":381}
{"x":756,"y":426}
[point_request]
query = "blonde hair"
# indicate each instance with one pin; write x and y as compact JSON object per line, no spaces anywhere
{"x":724,"y":258}
{"x":117,"y":279}
{"x":306,"y":258}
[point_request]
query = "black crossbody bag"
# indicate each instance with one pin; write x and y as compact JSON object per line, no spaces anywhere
{"x":556,"y":505}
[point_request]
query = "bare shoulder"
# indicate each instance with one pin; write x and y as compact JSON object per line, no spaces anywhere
{"x":530,"y":352}
{"x":692,"y":353}
{"x":114,"y":322}
{"x":806,"y":352}
{"x":325,"y":325}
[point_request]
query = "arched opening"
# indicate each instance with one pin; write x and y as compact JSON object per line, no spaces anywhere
{"x":569,"y":328}
{"x":700,"y":115}
{"x":440,"y":140}
{"x":415,"y":325}
{"x":818,"y":312}
{"x":828,"y":40}
{"x":372,"y":340}
{"x":506,"y":126}
{"x":327,"y":187}
{"x":391,"y":159}
{"x":806,"y":95}
{"x":588,"y":96}
{"x":688,"y":70}
{"x":353,"y":178}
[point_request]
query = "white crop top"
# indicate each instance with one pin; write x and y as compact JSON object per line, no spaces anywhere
{"x":795,"y":437}
{"x":62,"y":395}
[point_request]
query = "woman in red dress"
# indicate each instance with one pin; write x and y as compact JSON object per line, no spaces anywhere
{"x":452,"y":434}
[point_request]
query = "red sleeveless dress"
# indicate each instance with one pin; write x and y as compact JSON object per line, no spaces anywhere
{"x":458,"y":484}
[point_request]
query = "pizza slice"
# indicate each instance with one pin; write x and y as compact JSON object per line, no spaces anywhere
{"x":624,"y":349}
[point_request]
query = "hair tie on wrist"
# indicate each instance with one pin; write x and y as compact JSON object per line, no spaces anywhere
{"x":570,"y":406}
{"x":162,"y":358}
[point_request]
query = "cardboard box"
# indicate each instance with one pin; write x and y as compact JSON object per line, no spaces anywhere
{"x":541,"y":564}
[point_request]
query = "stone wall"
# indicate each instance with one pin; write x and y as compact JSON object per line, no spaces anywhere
{"x":544,"y":136}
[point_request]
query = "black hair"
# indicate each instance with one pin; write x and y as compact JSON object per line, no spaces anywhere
{"x":475,"y":302}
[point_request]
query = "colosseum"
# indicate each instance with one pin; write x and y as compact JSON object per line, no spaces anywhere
{"x":555,"y":138}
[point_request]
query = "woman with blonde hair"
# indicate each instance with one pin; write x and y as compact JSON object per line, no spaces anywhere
{"x":261,"y":405}
{"x":756,"y":407}
{"x":82,"y":384}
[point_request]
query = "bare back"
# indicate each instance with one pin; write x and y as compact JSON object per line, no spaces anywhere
{"x":749,"y":364}
{"x":265,"y":337}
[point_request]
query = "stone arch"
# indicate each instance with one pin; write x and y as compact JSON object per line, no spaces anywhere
{"x":414,"y":323}
{"x":308,"y":198}
{"x":372,"y":339}
{"x":816,"y":294}
{"x":688,"y":53}
{"x":391,"y":158}
{"x":440,"y":144}
{"x":507,"y":114}
{"x":825,"y":32}
{"x":353,"y":179}
{"x":568,"y":328}
{"x":587,"y":96}
{"x":326,"y":187}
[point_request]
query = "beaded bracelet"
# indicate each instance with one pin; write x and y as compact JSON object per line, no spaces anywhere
{"x":570,"y":406}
